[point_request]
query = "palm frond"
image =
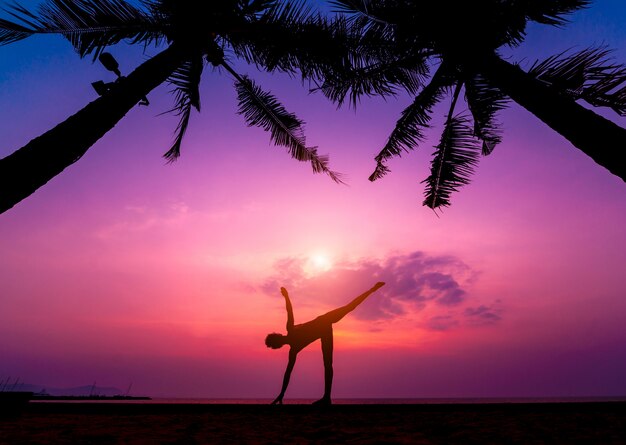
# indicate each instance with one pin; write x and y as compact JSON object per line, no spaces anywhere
{"x":288,"y":13}
{"x":351,"y":6}
{"x":552,"y":12}
{"x":12,"y":32}
{"x":90,"y":25}
{"x":253,"y":8}
{"x":110,"y":20}
{"x":589,"y":75}
{"x":261,"y":109}
{"x":382,"y":78}
{"x":291,"y":37}
{"x":371,"y":12}
{"x":376,"y":63}
{"x":454,"y":161}
{"x":571,"y":71}
{"x":284,"y":35}
{"x":409,"y":130}
{"x":186,"y":82}
{"x":484,"y":101}
{"x":376,"y":39}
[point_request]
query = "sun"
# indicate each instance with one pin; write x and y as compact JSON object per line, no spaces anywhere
{"x":321,"y":261}
{"x":318,"y":263}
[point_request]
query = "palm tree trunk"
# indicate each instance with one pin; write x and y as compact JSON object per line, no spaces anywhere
{"x":597,"y":137}
{"x":30,"y":167}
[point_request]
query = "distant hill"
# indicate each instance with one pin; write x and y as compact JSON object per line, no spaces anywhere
{"x":75,"y":391}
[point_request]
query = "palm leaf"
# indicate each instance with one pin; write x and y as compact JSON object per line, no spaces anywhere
{"x":409,"y":130}
{"x":551,"y":12}
{"x":588,"y":75}
{"x":186,"y":82}
{"x":90,"y":25}
{"x":352,"y":6}
{"x":377,"y":64}
{"x":288,"y":13}
{"x":253,"y":8}
{"x":291,"y":37}
{"x":382,"y":78}
{"x":110,"y":20}
{"x":375,"y":33}
{"x":371,"y":12}
{"x":12,"y":32}
{"x":514,"y":15}
{"x":261,"y":109}
{"x":454,"y":161}
{"x":484,"y":101}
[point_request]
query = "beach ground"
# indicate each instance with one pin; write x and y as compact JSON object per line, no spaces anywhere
{"x":135,"y":424}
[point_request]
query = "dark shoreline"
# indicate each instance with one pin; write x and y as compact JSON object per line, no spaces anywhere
{"x":37,"y":397}
{"x":54,"y":423}
{"x":111,"y":407}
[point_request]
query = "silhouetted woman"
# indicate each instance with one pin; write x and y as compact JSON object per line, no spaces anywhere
{"x":301,"y":335}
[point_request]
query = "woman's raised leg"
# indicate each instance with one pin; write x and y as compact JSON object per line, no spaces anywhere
{"x":337,"y":314}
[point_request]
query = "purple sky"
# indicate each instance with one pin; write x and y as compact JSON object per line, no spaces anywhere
{"x":126,"y":269}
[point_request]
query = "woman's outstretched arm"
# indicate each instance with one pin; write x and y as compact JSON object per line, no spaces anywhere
{"x":289,"y":309}
{"x":292,"y":361}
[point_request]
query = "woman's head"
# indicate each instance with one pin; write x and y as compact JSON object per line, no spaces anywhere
{"x":275,"y":340}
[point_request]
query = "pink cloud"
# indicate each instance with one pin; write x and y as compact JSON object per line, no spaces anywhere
{"x":414,"y":282}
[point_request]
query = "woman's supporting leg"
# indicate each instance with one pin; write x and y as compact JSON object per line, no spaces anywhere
{"x":327,"y":352}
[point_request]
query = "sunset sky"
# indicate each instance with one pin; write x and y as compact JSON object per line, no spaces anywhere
{"x":126,"y":269}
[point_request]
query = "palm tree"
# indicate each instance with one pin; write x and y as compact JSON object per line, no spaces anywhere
{"x":273,"y":35}
{"x":434,"y":49}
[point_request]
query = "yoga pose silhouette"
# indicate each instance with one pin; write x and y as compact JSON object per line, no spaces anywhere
{"x":300,"y":336}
